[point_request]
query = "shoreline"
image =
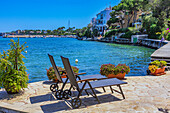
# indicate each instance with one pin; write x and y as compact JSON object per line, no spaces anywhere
{"x":37,"y":36}
{"x":149,"y":43}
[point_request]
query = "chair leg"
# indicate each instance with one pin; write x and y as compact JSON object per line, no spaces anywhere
{"x":87,"y":92}
{"x":104,"y":89}
{"x":111,"y":89}
{"x":71,"y":87}
{"x":94,"y":92}
{"x":81,"y":90}
{"x":121,"y":91}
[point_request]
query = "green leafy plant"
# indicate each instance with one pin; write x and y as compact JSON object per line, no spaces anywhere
{"x":51,"y":73}
{"x":110,"y":33}
{"x":163,"y":63}
{"x":158,"y":63}
{"x":165,"y":34}
{"x":107,"y":69}
{"x":13,"y":76}
{"x":127,"y":35}
{"x":75,"y":69}
{"x":122,"y":68}
{"x":52,"y":76}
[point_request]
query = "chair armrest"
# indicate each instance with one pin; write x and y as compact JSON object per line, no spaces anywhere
{"x":91,"y":79}
{"x":76,"y":74}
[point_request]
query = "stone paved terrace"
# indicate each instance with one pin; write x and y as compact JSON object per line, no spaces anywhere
{"x":144,"y":94}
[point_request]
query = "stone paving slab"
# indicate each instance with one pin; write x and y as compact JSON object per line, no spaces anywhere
{"x":144,"y":94}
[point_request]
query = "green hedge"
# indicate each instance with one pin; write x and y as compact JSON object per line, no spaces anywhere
{"x":114,"y":31}
{"x":127,"y":35}
{"x":110,"y":33}
{"x":123,"y":30}
{"x":168,"y":36}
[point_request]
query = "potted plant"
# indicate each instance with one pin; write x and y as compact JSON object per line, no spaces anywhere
{"x":75,"y":69}
{"x":157,"y":67}
{"x":52,"y":76}
{"x":112,"y":71}
{"x":13,"y":76}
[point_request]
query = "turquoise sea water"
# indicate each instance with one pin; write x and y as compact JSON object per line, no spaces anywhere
{"x":91,"y":55}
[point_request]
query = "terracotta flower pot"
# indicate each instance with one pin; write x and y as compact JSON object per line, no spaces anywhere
{"x":119,"y":76}
{"x":64,"y":76}
{"x":159,"y":71}
{"x":56,"y":80}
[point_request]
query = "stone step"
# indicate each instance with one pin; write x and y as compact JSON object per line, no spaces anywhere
{"x":153,"y":59}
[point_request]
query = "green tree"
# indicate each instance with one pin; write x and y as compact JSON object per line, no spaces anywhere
{"x":151,"y":27}
{"x":88,"y":33}
{"x":130,"y":8}
{"x":160,"y":10}
{"x":95,"y":32}
{"x":114,"y":19}
{"x":13,"y":76}
{"x":48,"y":32}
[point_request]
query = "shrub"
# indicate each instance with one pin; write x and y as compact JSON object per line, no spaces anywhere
{"x":123,"y":30}
{"x":153,"y":30}
{"x":110,"y":33}
{"x":127,"y":35}
{"x":168,"y":36}
{"x":13,"y":76}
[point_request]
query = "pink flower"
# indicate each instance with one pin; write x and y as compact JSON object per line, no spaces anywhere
{"x":167,"y":29}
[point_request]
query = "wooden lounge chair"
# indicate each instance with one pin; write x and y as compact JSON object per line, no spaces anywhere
{"x":88,"y":84}
{"x":61,"y":93}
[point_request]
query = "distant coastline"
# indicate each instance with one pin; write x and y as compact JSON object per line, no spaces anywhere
{"x":38,"y":36}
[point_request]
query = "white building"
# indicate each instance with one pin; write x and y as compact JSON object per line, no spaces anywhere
{"x":100,"y":22}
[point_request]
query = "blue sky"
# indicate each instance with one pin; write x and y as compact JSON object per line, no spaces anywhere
{"x":49,"y":14}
